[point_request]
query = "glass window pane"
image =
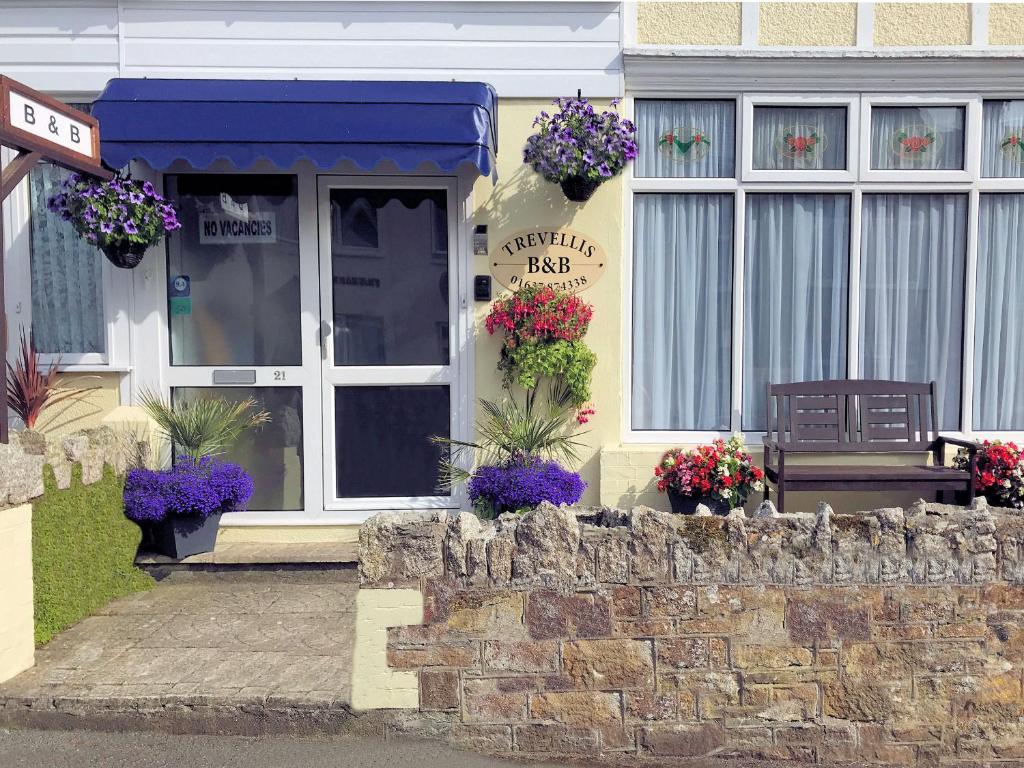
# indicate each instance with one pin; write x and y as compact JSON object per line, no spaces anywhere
{"x":799,"y":138}
{"x":272,"y":454}
{"x":390,"y":243}
{"x":67,"y":276}
{"x":795,"y":287}
{"x":1002,"y":146}
{"x":382,"y":439}
{"x":686,"y":139}
{"x":917,"y":138}
{"x":682,"y":305}
{"x":998,"y":350}
{"x":913,"y":249}
{"x":233,"y":271}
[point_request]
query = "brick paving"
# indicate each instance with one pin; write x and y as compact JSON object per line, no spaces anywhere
{"x":225,"y":638}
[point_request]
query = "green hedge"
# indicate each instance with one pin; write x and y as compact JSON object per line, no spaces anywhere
{"x":83,"y":551}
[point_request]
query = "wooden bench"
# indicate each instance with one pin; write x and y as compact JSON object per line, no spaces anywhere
{"x":859,"y":417}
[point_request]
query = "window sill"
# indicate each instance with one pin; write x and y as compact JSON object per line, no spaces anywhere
{"x":93,"y":368}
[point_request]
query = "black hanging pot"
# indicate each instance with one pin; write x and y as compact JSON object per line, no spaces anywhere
{"x":125,"y":255}
{"x":579,"y":189}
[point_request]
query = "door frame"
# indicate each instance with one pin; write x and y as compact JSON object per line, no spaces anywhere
{"x":150,"y":336}
{"x":456,"y":375}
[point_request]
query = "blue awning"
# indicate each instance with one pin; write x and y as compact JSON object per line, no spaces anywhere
{"x":284,"y":121}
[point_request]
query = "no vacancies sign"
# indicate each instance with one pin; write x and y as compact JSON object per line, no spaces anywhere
{"x":560,"y":258}
{"x":228,"y":229}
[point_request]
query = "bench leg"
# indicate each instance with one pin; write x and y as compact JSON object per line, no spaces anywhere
{"x":781,"y":506}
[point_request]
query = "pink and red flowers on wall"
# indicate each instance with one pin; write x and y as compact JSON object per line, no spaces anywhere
{"x":999,"y":475}
{"x":539,"y":314}
{"x":722,"y":471}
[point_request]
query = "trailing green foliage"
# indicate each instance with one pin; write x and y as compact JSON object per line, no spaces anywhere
{"x":570,"y":361}
{"x":509,"y":430}
{"x":83,"y":550}
{"x":205,"y":426}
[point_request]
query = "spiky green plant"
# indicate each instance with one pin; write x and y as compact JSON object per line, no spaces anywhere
{"x":205,"y":426}
{"x":509,"y":430}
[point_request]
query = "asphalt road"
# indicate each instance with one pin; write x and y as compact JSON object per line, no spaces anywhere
{"x":88,"y":749}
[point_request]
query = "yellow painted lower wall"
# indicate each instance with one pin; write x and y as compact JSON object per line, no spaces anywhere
{"x":374,"y":684}
{"x":17,"y":643}
{"x":96,"y":397}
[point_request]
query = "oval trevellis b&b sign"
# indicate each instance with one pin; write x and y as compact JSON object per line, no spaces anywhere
{"x":560,"y":258}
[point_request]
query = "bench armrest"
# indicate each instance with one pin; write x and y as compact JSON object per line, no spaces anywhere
{"x":972,"y":446}
{"x":769,"y":446}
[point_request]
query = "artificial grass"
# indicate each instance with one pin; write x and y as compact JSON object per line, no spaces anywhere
{"x":83,"y":551}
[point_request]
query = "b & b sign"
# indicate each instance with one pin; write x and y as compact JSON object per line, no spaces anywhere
{"x":35,"y":121}
{"x":560,"y":258}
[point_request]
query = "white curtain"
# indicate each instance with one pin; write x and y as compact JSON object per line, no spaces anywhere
{"x":998,"y":348}
{"x":713,"y":157}
{"x":795,"y":288}
{"x":781,"y":135}
{"x":682,"y":305}
{"x":1003,"y":123}
{"x":913,"y":249}
{"x":67,"y":277}
{"x":917,"y":138}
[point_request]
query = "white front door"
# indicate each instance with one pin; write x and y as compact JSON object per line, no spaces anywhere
{"x":393,"y":328}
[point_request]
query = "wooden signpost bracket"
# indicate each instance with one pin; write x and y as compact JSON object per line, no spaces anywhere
{"x":38,"y":127}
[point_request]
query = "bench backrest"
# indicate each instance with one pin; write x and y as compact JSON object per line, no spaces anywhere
{"x":853,"y":416}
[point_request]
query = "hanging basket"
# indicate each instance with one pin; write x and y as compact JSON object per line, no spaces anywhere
{"x":124,"y":255}
{"x":579,"y":189}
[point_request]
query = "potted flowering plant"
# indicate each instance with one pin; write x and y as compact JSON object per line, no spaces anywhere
{"x":179,"y":509}
{"x":580,"y":148}
{"x":543,"y":332}
{"x":520,"y":483}
{"x":998,"y":474}
{"x":122,"y":217}
{"x":721,"y":476}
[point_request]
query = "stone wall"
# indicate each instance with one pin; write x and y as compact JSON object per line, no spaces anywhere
{"x":894,"y":636}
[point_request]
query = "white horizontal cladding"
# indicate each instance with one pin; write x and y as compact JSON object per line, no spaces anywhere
{"x":652,"y":72}
{"x":60,"y":47}
{"x":524,"y":49}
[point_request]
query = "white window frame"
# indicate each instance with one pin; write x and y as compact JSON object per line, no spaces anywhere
{"x":972,"y":135}
{"x":746,"y":128}
{"x":115,"y":282}
{"x":968,"y":182}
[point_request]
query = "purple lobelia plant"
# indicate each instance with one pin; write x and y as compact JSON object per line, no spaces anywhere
{"x":195,"y":488}
{"x":522,"y":483}
{"x":579,"y":148}
{"x":122,"y":217}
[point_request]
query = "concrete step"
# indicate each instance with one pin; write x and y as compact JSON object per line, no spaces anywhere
{"x":233,"y":554}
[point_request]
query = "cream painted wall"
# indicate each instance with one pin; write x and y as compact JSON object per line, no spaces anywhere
{"x":1006,"y":24}
{"x":523,"y":199}
{"x":808,"y":24}
{"x":922,"y":24}
{"x":689,"y":23}
{"x":17,"y":640}
{"x":97,"y":397}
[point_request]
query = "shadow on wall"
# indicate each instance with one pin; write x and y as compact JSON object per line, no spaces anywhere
{"x":526,"y":198}
{"x":95,"y":398}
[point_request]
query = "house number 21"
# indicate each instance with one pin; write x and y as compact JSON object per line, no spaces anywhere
{"x":279,"y":375}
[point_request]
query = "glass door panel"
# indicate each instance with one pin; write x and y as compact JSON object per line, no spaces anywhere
{"x":388,"y":362}
{"x":242,"y":302}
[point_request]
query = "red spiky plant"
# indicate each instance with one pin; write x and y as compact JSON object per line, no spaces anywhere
{"x":30,"y":387}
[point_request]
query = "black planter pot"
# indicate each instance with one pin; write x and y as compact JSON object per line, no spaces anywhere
{"x":181,"y":536}
{"x":687,"y":505}
{"x":124,"y":255}
{"x":579,"y":189}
